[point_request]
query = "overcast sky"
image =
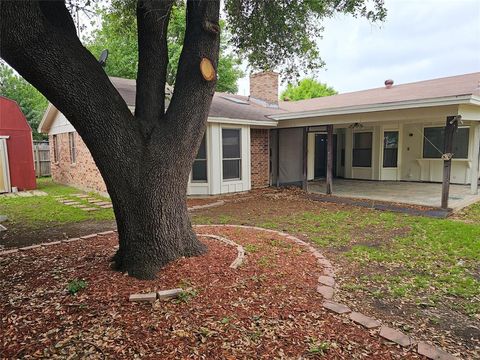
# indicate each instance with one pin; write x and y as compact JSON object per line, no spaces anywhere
{"x":420,"y":39}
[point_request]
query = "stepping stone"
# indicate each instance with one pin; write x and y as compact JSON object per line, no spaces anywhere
{"x":326,"y":280}
{"x":325,"y":291}
{"x":169,"y":294}
{"x":24,"y":194}
{"x":80,"y":206}
{"x":71,"y":203}
{"x":106,"y":206}
{"x":363,"y":320}
{"x":88,"y":209}
{"x":30,"y":247}
{"x":103,"y":203}
{"x":149,"y":297}
{"x":336,"y":307}
{"x":39,"y":193}
{"x":92,"y":201}
{"x":82,"y":196}
{"x":433,"y":352}
{"x":395,"y":336}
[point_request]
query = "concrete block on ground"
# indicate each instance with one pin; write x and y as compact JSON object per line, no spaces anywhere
{"x":364,"y":320}
{"x":433,"y":352}
{"x":336,"y":307}
{"x":148,"y":297}
{"x":395,"y":336}
{"x":326,"y":291}
{"x":326,"y":280}
{"x":169,"y":294}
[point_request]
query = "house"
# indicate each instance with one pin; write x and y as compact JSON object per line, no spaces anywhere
{"x":16,"y":149}
{"x":392,"y":133}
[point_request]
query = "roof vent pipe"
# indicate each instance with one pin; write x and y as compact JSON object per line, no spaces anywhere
{"x":389,"y":83}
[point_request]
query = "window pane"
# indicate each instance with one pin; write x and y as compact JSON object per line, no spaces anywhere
{"x":363,"y":140}
{"x":199,"y":170}
{"x":362,"y":157}
{"x":390,"y":149}
{"x":362,"y":149}
{"x":460,"y":143}
{"x":436,"y":136}
{"x":231,"y":169}
{"x":231,"y":143}
{"x":202,"y":151}
{"x":433,"y":142}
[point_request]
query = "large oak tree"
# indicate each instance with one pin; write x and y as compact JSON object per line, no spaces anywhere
{"x":145,"y":158}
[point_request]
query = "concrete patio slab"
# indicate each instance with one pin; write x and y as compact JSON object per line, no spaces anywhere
{"x":412,"y":193}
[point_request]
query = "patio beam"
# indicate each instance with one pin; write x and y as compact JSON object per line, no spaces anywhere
{"x":475,"y":159}
{"x":329,"y":177}
{"x":450,"y":128}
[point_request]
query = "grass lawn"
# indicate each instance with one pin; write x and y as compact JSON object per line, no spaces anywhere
{"x":39,"y":211}
{"x":421,"y":270}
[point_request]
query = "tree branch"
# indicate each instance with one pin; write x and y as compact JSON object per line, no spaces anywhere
{"x":193,"y":94}
{"x":152,"y":21}
{"x":38,"y":39}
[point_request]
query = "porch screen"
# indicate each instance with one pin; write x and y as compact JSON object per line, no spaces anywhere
{"x":290,"y":156}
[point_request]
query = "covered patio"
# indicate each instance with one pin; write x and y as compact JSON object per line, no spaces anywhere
{"x":403,"y":192}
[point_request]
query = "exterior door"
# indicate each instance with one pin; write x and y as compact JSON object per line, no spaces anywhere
{"x":4,"y":173}
{"x":390,"y":155}
{"x":321,"y":155}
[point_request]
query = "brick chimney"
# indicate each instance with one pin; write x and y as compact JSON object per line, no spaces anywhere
{"x":264,"y":88}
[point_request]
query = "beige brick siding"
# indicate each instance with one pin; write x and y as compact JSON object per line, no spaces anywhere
{"x":264,"y":86}
{"x":260,"y":159}
{"x":83,"y":174}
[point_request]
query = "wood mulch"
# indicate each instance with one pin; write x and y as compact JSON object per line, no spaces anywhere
{"x":267,"y":308}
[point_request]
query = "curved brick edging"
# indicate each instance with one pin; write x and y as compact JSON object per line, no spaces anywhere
{"x":240,"y":250}
{"x":326,"y":287}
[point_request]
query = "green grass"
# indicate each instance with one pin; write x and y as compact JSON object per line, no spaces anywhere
{"x":41,"y":211}
{"x":421,"y":260}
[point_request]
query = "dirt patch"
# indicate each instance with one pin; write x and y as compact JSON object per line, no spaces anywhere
{"x":18,"y":235}
{"x":268,"y":308}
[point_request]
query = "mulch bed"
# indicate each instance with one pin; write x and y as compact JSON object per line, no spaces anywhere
{"x":267,"y":308}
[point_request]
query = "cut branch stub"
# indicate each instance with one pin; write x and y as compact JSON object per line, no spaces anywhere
{"x":211,"y":27}
{"x":207,"y":69}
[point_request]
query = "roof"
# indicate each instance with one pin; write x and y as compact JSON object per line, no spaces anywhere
{"x":223,"y":105}
{"x":453,"y":86}
{"x":12,"y":116}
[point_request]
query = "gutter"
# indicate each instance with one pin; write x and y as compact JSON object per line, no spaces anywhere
{"x":409,"y":104}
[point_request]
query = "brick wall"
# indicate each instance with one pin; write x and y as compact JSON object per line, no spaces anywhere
{"x":264,"y":86}
{"x":260,"y":159}
{"x":83,"y":174}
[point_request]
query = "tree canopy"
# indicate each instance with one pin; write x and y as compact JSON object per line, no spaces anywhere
{"x":118,"y":34}
{"x":30,"y":100}
{"x":307,"y":89}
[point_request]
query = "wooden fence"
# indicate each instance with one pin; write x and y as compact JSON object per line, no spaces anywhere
{"x":41,"y":156}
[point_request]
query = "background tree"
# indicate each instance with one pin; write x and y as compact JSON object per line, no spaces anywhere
{"x":307,"y":89}
{"x":145,"y":158}
{"x":30,"y":100}
{"x":118,"y":34}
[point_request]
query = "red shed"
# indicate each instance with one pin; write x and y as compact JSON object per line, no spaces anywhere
{"x":16,"y":149}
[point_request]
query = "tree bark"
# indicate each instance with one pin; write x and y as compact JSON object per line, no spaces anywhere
{"x":145,"y":160}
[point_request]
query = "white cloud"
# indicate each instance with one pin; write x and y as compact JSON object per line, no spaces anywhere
{"x":419,"y":40}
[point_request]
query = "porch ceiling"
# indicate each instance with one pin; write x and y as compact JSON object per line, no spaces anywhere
{"x":413,"y":193}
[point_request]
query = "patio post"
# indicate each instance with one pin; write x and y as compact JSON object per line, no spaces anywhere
{"x":329,"y":177}
{"x":305,"y":156}
{"x":450,"y":128}
{"x":475,"y":159}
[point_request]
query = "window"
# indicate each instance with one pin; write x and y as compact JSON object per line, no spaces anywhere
{"x":433,"y":143}
{"x":231,"y":154}
{"x":362,"y":149}
{"x":55,"y":149}
{"x":199,"y":169}
{"x":73,"y":147}
{"x":390,"y":149}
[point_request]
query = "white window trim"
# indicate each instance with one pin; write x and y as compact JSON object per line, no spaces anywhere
{"x":241,"y":149}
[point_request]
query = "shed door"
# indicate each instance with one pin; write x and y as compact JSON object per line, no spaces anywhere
{"x":4,"y":173}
